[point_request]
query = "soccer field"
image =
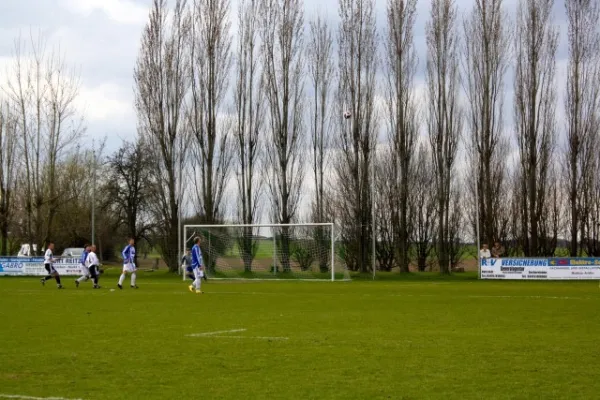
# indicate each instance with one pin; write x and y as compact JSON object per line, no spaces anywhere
{"x":412,"y":338}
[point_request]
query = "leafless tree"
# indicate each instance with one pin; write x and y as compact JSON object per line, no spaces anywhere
{"x":423,"y":203}
{"x":535,"y":106}
{"x":401,"y":64}
{"x":590,"y":209}
{"x":9,"y":172}
{"x":386,"y":203}
{"x":249,"y":107}
{"x":162,"y":82}
{"x":456,"y":221}
{"x":321,"y":73}
{"x":553,"y":219}
{"x":43,"y":91}
{"x":445,"y":117}
{"x":501,"y":202}
{"x":356,"y":138}
{"x":486,"y":49}
{"x":130,"y":188}
{"x":582,"y":105}
{"x":210,"y":47}
{"x":282,"y":49}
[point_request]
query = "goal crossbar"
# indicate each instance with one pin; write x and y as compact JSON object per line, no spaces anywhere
{"x":260,"y":225}
{"x":330,"y":225}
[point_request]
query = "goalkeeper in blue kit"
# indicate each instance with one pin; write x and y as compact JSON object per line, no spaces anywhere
{"x":197,"y":267}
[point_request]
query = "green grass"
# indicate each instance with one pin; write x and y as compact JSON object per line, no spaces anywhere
{"x":414,"y":337}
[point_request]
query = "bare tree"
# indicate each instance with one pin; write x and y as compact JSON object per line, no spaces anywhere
{"x":590,"y":209}
{"x":249,"y":107}
{"x":210,"y":46}
{"x":9,"y":172}
{"x":423,"y":203}
{"x":386,"y":203}
{"x":582,"y":105}
{"x":321,"y":72}
{"x":130,"y":188}
{"x":401,"y":64}
{"x":357,"y":58}
{"x":553,"y":219}
{"x":282,"y":47}
{"x":162,"y":81}
{"x":486,"y":50}
{"x":456,"y":220}
{"x":445,"y":119}
{"x":43,"y":91}
{"x":534,"y":105}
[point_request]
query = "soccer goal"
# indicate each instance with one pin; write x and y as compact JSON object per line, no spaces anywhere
{"x":268,"y":251}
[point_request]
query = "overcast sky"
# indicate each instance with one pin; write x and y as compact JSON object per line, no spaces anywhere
{"x":101,"y":38}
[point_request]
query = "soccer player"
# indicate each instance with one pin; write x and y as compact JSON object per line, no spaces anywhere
{"x":49,"y":265}
{"x":85,"y":272}
{"x":128,"y":264}
{"x":94,"y":266}
{"x":197,"y":267}
{"x":186,"y":263}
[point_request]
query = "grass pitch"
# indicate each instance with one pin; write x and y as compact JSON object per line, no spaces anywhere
{"x":420,"y":337}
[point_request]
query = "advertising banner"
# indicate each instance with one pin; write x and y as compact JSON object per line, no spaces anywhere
{"x":540,"y":268}
{"x":28,"y":266}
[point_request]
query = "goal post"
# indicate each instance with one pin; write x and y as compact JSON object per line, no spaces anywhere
{"x":268,"y":251}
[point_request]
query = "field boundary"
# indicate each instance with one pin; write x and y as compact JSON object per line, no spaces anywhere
{"x":18,"y":396}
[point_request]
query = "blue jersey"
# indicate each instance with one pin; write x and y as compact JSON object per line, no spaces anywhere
{"x":128,"y":254}
{"x":196,"y":257}
{"x":83,"y":257}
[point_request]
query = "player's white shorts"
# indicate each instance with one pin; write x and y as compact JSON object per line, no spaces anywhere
{"x":85,"y":271}
{"x":198,"y":273}
{"x":129,"y":267}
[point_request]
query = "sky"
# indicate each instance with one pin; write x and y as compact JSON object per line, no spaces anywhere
{"x":101,"y":38}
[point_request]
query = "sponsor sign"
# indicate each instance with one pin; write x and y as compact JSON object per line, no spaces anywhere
{"x":27,"y":266}
{"x":541,"y":268}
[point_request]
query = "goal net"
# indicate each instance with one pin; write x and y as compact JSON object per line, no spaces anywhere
{"x":268,"y":251}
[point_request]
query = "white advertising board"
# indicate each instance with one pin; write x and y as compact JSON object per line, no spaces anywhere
{"x":541,"y":268}
{"x":34,"y":266}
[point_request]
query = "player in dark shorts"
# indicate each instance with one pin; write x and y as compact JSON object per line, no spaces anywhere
{"x":49,"y":266}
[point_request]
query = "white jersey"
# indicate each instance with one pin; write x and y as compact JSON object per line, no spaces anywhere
{"x":48,"y":259}
{"x":92,"y":259}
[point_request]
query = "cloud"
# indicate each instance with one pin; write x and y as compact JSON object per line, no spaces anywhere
{"x":120,"y":11}
{"x":105,"y":101}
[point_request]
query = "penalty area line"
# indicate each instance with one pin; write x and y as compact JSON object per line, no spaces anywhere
{"x":17,"y":396}
{"x":214,"y":333}
{"x":254,"y":337}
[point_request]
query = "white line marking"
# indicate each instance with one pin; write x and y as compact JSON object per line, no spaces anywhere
{"x":16,"y":396}
{"x":530,"y":297}
{"x":495,"y":296}
{"x":254,"y":337}
{"x":215,"y":333}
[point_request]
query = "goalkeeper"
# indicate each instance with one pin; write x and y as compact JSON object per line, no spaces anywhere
{"x":186,"y":265}
{"x":197,"y":267}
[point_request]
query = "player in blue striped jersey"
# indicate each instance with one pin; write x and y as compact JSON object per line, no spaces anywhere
{"x":128,"y":264}
{"x":197,"y":267}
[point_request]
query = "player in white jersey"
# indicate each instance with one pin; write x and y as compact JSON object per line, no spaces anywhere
{"x":85,"y":271}
{"x":128,"y":264}
{"x":49,"y":266}
{"x":93,"y":265}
